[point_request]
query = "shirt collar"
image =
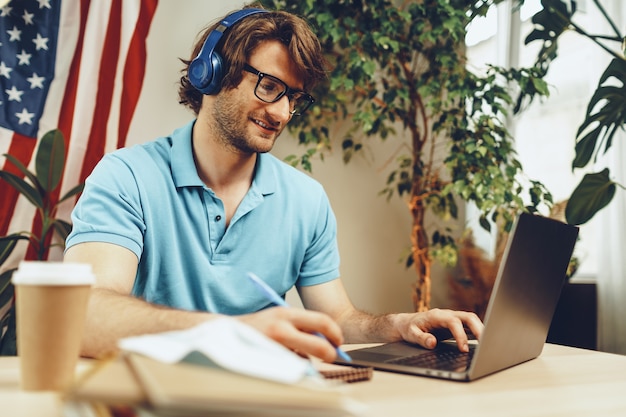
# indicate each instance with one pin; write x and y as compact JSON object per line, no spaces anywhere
{"x":184,"y":170}
{"x":265,"y":175}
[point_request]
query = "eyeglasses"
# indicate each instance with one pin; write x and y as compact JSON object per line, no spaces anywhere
{"x":271,"y":89}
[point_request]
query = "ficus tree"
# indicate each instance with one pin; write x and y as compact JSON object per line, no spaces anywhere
{"x":398,"y":73}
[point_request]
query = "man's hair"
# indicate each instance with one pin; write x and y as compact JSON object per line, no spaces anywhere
{"x":240,"y":41}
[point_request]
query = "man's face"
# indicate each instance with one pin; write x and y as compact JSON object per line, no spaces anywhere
{"x":243,"y":121}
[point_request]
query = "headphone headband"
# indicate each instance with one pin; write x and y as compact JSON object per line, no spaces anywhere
{"x":207,"y":69}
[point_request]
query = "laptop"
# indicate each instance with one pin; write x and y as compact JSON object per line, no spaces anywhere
{"x":522,"y":303}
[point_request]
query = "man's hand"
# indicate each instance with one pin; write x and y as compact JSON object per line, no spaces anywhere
{"x":418,"y":327}
{"x":294,"y":328}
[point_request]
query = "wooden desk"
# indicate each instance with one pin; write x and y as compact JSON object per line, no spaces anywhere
{"x":17,"y":403}
{"x":563,"y":381}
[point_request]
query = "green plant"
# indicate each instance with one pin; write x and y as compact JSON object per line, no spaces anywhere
{"x":606,"y":111}
{"x":40,"y":188}
{"x":399,"y":74}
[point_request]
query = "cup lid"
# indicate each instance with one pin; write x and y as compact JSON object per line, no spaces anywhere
{"x":53,"y":273}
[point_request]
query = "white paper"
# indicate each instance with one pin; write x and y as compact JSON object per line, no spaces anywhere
{"x":229,"y":344}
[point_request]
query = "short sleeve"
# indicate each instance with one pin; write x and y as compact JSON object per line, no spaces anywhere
{"x":109,"y":209}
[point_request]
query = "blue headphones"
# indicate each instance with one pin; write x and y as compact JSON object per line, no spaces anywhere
{"x":207,"y":69}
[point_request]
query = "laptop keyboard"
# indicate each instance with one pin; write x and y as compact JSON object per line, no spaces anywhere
{"x":445,"y":359}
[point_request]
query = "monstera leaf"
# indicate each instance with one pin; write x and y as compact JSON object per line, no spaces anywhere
{"x":550,"y":23}
{"x":606,"y":113}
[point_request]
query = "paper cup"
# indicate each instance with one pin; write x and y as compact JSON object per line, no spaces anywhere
{"x":51,"y":304}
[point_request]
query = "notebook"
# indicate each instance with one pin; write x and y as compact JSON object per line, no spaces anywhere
{"x":524,"y":297}
{"x":186,"y":390}
{"x":139,"y":386}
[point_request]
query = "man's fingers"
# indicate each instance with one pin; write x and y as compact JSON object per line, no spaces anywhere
{"x":439,"y":322}
{"x":475,"y":325}
{"x":295,"y":328}
{"x":315,"y":322}
{"x":421,"y":337}
{"x":464,"y":320}
{"x":306,"y":344}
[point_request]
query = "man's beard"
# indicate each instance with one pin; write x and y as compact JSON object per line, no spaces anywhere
{"x":231,"y":127}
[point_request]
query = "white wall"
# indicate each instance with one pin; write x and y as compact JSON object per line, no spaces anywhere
{"x":373,"y":233}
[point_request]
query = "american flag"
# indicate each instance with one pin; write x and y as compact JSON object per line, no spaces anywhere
{"x":75,"y":65}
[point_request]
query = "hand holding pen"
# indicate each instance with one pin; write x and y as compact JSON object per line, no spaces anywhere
{"x":272,"y":296}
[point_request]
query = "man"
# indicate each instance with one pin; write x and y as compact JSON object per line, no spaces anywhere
{"x":171,"y":227}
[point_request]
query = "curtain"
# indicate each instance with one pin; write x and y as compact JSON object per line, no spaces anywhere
{"x":611,"y":256}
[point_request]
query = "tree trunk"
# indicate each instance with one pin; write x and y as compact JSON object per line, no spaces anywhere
{"x":421,"y":256}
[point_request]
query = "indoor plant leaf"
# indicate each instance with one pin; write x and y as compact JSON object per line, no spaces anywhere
{"x":50,"y":159}
{"x":594,"y":192}
{"x":586,"y":146}
{"x":71,"y":193}
{"x":31,"y":176}
{"x":606,"y":112}
{"x":6,"y":288}
{"x":550,"y":23}
{"x":7,"y":244}
{"x":62,"y":227}
{"x":23,"y":187}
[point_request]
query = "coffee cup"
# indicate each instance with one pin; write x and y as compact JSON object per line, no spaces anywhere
{"x":51,"y":304}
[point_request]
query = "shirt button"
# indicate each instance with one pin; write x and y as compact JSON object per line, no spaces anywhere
{"x":218,"y":218}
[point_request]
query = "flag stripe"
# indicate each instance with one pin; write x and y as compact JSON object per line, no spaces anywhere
{"x":69,"y":97}
{"x":106,"y":79}
{"x":134,"y":69}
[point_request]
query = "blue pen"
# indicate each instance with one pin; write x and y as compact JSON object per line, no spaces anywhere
{"x":278,"y":300}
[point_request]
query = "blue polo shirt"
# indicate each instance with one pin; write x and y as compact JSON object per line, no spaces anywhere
{"x":149,"y":199}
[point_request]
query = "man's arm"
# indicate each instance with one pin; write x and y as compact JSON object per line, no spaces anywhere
{"x":361,"y":327}
{"x":113,"y":313}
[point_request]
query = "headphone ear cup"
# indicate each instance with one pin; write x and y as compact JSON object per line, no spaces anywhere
{"x":215,"y":84}
{"x":206,"y":76}
{"x":199,"y":72}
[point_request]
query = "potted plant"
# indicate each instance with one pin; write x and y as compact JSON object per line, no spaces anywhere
{"x":40,"y":188}
{"x":399,"y":74}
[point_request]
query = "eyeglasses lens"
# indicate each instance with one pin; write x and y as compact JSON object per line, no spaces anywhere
{"x":270,"y":89}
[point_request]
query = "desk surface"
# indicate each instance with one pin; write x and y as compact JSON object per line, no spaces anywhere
{"x":563,"y":381}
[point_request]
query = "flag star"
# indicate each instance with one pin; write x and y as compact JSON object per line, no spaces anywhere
{"x":40,"y":42}
{"x":25,"y":117}
{"x":35,"y":81}
{"x":28,"y":17}
{"x":5,"y":11}
{"x":14,"y":34}
{"x":14,"y":94}
{"x":24,"y":58}
{"x":4,"y":70}
{"x":44,"y":3}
